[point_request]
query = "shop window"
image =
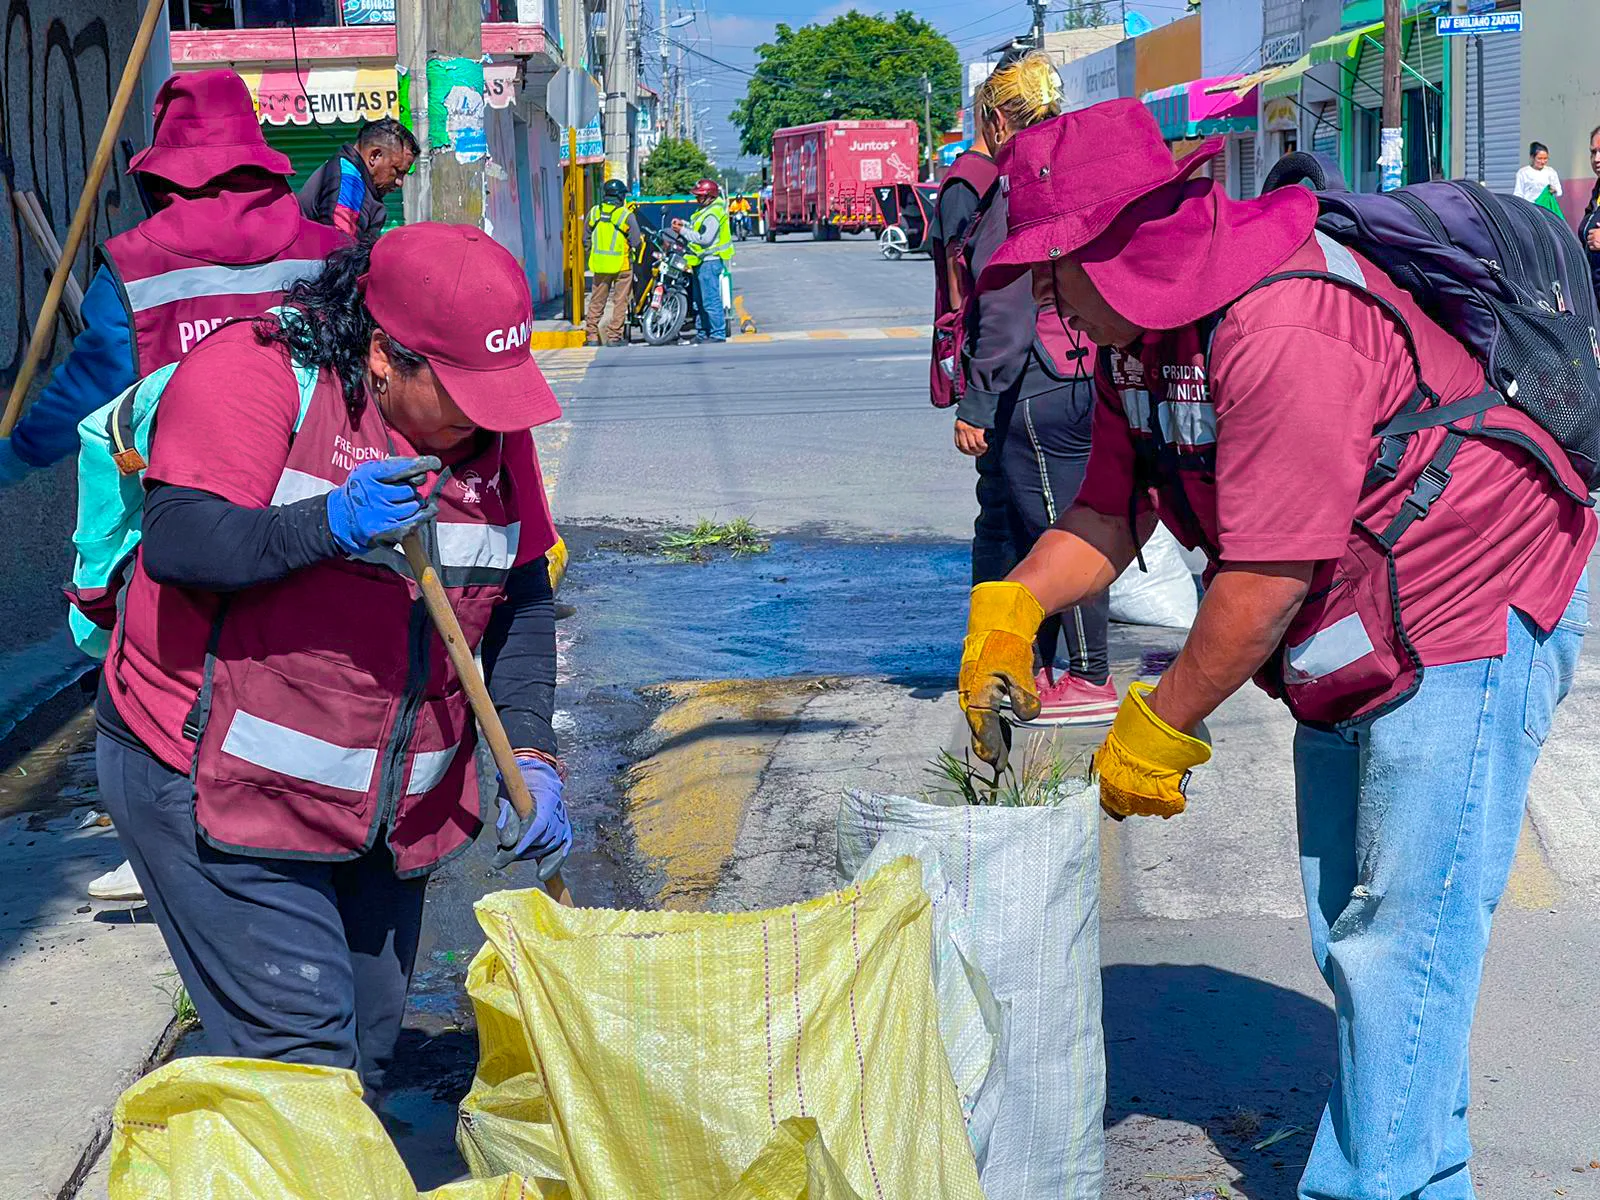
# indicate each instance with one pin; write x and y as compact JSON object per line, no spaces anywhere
{"x":1422,"y":118}
{"x":252,"y":14}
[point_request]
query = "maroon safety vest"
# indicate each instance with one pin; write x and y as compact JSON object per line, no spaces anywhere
{"x":177,"y":292}
{"x":1345,"y":655}
{"x":330,"y":708}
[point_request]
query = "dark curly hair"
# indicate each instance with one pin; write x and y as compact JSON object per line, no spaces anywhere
{"x":331,"y":328}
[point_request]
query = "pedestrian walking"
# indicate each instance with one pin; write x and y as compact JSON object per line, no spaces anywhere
{"x":1422,"y":646}
{"x":1589,"y":230}
{"x":347,"y":191}
{"x":710,"y":239}
{"x":282,"y":740}
{"x":224,"y":241}
{"x":1026,"y":414}
{"x":1537,"y":180}
{"x":612,"y":233}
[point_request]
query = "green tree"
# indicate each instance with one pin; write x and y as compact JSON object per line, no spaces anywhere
{"x":1087,"y":14}
{"x":675,"y":166}
{"x":856,"y":67}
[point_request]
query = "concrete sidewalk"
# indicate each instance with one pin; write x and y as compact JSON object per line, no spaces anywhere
{"x":86,"y":990}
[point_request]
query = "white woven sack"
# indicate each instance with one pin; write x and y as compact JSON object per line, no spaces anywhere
{"x":1163,"y":593}
{"x":1018,"y":892}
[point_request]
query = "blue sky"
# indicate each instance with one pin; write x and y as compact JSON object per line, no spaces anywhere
{"x":729,"y":31}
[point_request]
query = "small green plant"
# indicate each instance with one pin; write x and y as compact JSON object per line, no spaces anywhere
{"x":1044,"y":778}
{"x":183,"y":1009}
{"x":738,"y":537}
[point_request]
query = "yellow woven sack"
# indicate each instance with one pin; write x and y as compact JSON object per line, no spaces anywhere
{"x":657,"y":1055}
{"x":246,"y":1129}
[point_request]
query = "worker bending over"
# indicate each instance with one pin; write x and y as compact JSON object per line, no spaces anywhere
{"x":1424,"y":675}
{"x":283,"y":743}
{"x":612,"y":233}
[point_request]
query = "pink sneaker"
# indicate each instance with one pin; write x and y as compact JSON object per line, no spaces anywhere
{"x":1067,"y":700}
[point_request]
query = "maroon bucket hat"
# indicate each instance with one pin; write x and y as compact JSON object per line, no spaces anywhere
{"x":1100,"y":186}
{"x":205,"y":126}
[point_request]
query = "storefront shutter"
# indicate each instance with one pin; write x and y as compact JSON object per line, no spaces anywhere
{"x":309,"y":146}
{"x":1247,"y":166}
{"x":1503,"y":143}
{"x":1325,"y":133}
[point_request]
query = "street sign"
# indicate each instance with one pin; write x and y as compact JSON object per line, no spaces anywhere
{"x":571,"y":98}
{"x":1470,"y":24}
{"x":591,"y":142}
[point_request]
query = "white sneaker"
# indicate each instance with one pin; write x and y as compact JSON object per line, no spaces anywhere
{"x":116,"y":885}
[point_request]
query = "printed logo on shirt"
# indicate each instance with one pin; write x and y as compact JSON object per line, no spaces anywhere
{"x":1187,"y":416}
{"x":190,"y":332}
{"x":1127,"y":370}
{"x":507,"y":339}
{"x":473,"y":486}
{"x":346,"y":454}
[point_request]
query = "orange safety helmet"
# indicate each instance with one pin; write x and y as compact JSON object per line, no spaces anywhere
{"x":706,"y":189}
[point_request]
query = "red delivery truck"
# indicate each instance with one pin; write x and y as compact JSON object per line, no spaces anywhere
{"x":823,"y":175}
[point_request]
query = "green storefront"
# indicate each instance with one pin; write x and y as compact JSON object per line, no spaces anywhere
{"x":309,"y":146}
{"x":1425,"y":89}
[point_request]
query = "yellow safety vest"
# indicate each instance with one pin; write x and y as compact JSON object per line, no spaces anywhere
{"x":608,"y":246}
{"x":723,"y":247}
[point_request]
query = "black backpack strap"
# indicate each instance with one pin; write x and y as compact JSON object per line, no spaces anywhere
{"x":119,"y":432}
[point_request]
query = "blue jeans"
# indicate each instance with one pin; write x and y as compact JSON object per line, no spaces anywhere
{"x":1408,"y":828}
{"x":711,"y":322}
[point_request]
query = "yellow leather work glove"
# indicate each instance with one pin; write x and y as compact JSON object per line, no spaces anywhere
{"x":997,"y":663}
{"x":556,"y":561}
{"x":1144,"y":762}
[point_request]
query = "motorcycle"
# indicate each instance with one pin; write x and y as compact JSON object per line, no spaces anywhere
{"x":661,"y":295}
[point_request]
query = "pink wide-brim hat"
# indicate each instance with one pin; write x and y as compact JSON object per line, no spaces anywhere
{"x":1099,"y":186}
{"x":206,"y":126}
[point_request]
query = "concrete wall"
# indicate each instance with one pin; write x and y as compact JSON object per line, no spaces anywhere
{"x":1561,"y":89}
{"x":1167,"y":56}
{"x":62,"y":63}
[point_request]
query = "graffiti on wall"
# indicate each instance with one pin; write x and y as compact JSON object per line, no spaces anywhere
{"x":56,"y":83}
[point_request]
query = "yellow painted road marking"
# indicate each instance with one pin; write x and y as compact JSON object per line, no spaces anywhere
{"x":686,"y":802}
{"x":1532,"y":886}
{"x":907,"y":331}
{"x":826,"y":334}
{"x":751,"y":337}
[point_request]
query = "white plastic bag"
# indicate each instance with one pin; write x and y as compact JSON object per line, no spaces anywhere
{"x":1163,"y":594}
{"x":1016,"y":891}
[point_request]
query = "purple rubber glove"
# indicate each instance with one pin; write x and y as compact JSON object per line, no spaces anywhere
{"x":546,"y":835}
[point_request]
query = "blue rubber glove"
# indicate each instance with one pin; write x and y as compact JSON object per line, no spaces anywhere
{"x":546,"y":836}
{"x":12,"y":468}
{"x":379,"y":502}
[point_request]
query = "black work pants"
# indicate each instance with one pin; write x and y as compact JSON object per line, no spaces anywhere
{"x":304,"y":962}
{"x":1037,"y":456}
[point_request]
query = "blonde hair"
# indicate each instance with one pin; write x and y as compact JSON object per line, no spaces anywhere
{"x":1024,"y":92}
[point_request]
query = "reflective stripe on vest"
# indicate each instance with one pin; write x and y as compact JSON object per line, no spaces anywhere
{"x":285,"y":751}
{"x":1328,"y":650}
{"x":723,"y":247}
{"x":608,"y":251}
{"x":193,"y":283}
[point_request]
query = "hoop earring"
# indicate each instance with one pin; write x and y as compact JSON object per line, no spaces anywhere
{"x":380,"y":384}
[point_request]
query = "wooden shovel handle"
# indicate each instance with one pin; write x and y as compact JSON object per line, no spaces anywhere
{"x":455,"y":643}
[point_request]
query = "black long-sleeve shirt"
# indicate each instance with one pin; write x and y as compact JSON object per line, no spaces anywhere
{"x":1002,"y":341}
{"x":196,"y":539}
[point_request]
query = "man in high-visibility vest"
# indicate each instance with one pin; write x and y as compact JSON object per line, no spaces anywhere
{"x":611,"y":231}
{"x":710,"y":249}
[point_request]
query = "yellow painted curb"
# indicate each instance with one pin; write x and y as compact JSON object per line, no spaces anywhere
{"x":555,"y":339}
{"x":822,"y":335}
{"x":686,"y":802}
{"x":903,"y":331}
{"x":751,"y":337}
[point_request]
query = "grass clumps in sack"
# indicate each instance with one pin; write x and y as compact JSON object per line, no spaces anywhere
{"x":1045,"y":779}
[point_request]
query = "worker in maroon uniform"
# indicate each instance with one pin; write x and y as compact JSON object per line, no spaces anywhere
{"x":1422,"y":622}
{"x":226,"y":239}
{"x":283,"y":743}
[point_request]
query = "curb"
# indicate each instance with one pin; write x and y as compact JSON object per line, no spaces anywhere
{"x":555,"y":339}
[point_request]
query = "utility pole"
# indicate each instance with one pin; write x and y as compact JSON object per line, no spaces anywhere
{"x":616,"y":94}
{"x":1391,"y":153}
{"x":411,"y":43}
{"x":1039,"y":8}
{"x":450,"y":42}
{"x":664,"y":101}
{"x":927,"y":117}
{"x":575,"y":37}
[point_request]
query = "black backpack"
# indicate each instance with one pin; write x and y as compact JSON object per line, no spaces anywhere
{"x":1506,"y":278}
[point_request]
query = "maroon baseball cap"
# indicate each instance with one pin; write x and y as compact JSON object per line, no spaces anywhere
{"x":456,"y":296}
